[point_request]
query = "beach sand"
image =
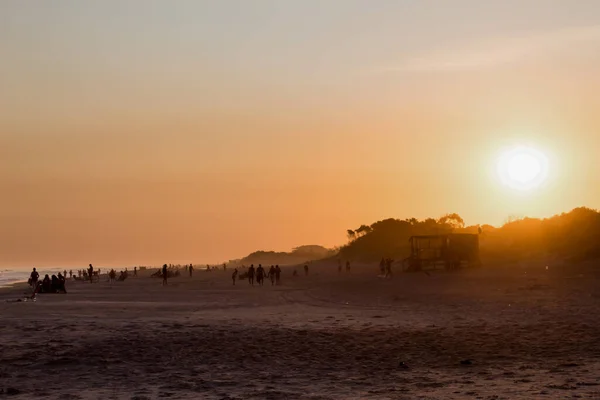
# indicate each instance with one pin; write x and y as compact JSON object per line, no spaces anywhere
{"x":527,"y":333}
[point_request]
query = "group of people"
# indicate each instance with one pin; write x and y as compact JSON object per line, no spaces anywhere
{"x":385,"y":267}
{"x":54,"y":284}
{"x":112,"y":275}
{"x":274,"y":274}
{"x":57,"y":283}
{"x":215,"y":267}
{"x":189,"y":269}
{"x":340,"y":266}
{"x":86,"y":274}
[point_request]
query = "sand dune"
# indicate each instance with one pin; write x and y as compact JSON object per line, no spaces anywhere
{"x":495,"y":333}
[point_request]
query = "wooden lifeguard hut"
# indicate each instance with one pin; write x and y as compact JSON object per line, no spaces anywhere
{"x":449,"y":251}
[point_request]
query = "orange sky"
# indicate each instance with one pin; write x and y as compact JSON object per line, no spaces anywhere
{"x":181,"y":148}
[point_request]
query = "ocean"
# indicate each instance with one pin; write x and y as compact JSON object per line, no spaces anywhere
{"x":9,"y":276}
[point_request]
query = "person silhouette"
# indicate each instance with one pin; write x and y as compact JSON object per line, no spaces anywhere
{"x":260,"y":274}
{"x":35,"y":276}
{"x":388,"y":268}
{"x":277,"y":274}
{"x":164,"y":275}
{"x":251,"y":275}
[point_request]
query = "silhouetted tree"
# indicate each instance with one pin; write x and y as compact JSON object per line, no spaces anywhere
{"x":453,"y":220}
{"x":363,"y":230}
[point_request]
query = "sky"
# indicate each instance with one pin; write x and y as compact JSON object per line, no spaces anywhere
{"x":144,"y":132}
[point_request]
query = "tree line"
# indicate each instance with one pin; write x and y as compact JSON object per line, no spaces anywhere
{"x":572,"y":236}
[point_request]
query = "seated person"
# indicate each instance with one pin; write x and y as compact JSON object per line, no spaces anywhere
{"x":54,"y":284}
{"x":46,"y":285}
{"x":61,"y":284}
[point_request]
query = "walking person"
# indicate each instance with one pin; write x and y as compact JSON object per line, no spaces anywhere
{"x":35,"y":276}
{"x":388,"y":268}
{"x":234,"y":276}
{"x":277,"y":275}
{"x":164,"y":275}
{"x":260,"y":275}
{"x":251,"y":275}
{"x":272,"y":275}
{"x":91,"y":273}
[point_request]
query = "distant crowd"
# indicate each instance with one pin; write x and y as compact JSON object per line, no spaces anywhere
{"x":54,"y":284}
{"x":57,"y":283}
{"x":273,"y":274}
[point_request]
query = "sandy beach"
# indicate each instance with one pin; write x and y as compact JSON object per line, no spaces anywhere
{"x":522,"y":332}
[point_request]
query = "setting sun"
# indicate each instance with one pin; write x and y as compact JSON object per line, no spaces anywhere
{"x":523,"y":168}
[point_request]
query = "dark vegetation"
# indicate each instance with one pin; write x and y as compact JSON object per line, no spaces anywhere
{"x":572,"y":236}
{"x":296,"y":256}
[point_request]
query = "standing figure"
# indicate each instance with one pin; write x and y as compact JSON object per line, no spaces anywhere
{"x":347,"y":266}
{"x":277,"y":274}
{"x":234,"y":276}
{"x":272,"y":275}
{"x":306,"y":269}
{"x":35,"y":276}
{"x":251,"y":275}
{"x":164,"y":275}
{"x":388,"y":268}
{"x":91,"y":273}
{"x":191,"y":269}
{"x":260,"y":275}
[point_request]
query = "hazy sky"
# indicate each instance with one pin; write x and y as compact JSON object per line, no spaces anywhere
{"x":198,"y":131}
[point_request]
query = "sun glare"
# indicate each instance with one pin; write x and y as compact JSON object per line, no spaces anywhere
{"x":522,"y":168}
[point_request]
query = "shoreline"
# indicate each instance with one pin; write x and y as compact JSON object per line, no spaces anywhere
{"x":13,"y":286}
